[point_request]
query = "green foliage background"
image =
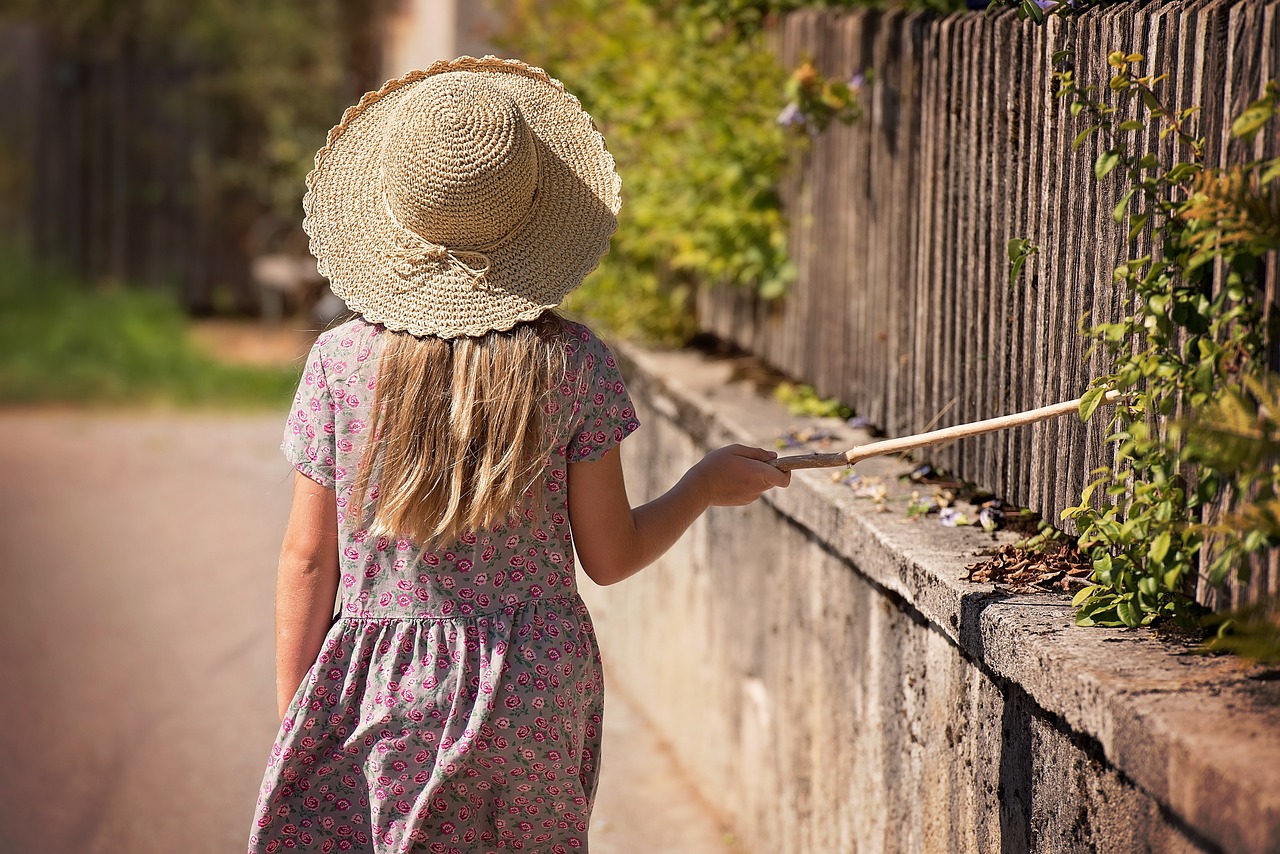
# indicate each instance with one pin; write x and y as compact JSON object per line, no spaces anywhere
{"x":63,"y":341}
{"x":687,"y":95}
{"x":687,"y":103}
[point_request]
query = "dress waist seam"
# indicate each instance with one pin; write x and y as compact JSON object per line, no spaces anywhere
{"x":571,"y":598}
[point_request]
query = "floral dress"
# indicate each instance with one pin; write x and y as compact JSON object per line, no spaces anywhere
{"x":456,"y":703}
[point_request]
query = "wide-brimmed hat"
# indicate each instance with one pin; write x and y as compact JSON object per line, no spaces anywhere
{"x":461,"y":199}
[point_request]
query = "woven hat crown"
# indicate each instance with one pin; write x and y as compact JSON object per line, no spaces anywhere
{"x":461,"y":199}
{"x":459,"y":163}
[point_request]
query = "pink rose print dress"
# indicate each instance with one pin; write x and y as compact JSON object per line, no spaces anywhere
{"x":456,"y":704}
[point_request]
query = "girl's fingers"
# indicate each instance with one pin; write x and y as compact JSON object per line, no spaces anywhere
{"x":754,"y":453}
{"x":778,"y":478}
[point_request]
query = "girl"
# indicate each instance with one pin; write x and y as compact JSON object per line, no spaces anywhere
{"x":455,"y":444}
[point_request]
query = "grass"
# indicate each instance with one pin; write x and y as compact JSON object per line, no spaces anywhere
{"x":63,"y":341}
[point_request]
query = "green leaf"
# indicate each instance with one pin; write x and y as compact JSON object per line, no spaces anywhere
{"x":1019,"y":249}
{"x":1271,"y":172}
{"x":1119,"y":212}
{"x":1103,"y":565}
{"x":1099,"y":616}
{"x":1159,"y":547}
{"x":1084,"y":594}
{"x":1136,"y":224}
{"x":1128,"y":614}
{"x":1106,"y":162}
{"x":1090,"y":401}
{"x":1083,"y":135}
{"x":773,"y":288}
{"x":1016,"y":269}
{"x":1033,"y":11}
{"x":1132,"y":124}
{"x":1248,"y":123}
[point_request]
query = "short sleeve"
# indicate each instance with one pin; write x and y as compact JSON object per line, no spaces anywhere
{"x":604,"y":413}
{"x":309,"y":431}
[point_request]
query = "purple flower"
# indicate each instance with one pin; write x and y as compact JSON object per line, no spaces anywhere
{"x":1046,"y":5}
{"x":791,"y":115}
{"x":859,"y":422}
{"x":920,"y":473}
{"x":857,"y":81}
{"x":952,"y":518}
{"x":851,"y":480}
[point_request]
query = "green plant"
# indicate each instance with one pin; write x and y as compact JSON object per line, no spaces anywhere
{"x":748,"y":17}
{"x":689,"y":96}
{"x":688,"y":103}
{"x":1019,"y":249}
{"x":63,"y":341}
{"x":1251,"y":632}
{"x":1190,"y":344}
{"x":1046,"y":537}
{"x":802,"y":400}
{"x":813,"y":100}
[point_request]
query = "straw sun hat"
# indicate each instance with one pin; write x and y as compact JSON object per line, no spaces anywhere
{"x":461,"y":199}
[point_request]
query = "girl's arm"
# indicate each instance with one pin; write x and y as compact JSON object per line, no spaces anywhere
{"x":306,"y":585}
{"x":614,"y":540}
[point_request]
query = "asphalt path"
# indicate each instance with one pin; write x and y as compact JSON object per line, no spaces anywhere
{"x":137,"y":562}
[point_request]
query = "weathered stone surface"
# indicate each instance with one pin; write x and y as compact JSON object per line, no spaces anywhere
{"x":831,"y":683}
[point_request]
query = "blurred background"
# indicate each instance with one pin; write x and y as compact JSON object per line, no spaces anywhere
{"x":152,"y":159}
{"x":153,"y":153}
{"x":156,"y":299}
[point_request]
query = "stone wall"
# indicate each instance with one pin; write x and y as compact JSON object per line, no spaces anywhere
{"x":831,"y":684}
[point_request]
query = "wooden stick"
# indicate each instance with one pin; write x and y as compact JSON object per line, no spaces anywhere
{"x":934,"y":437}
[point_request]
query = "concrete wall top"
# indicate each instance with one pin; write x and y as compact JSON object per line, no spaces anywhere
{"x":1198,"y":734}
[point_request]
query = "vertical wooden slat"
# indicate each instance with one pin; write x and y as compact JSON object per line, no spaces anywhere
{"x":850,"y":307}
{"x":932,"y":120}
{"x":952,"y":207}
{"x":1033,"y":105}
{"x":889,"y":222}
{"x":906,"y":220}
{"x":995,"y":188}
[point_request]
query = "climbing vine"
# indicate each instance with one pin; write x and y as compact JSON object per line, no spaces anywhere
{"x":1191,"y":347}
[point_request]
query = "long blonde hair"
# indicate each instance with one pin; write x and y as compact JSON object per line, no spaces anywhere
{"x":459,"y":431}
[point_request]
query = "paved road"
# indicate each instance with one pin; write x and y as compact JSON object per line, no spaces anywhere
{"x":137,"y":562}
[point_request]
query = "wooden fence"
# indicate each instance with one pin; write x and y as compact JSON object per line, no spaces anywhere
{"x":104,"y":155}
{"x":899,"y":224}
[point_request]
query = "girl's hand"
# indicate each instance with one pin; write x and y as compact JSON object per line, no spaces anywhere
{"x":736,"y":475}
